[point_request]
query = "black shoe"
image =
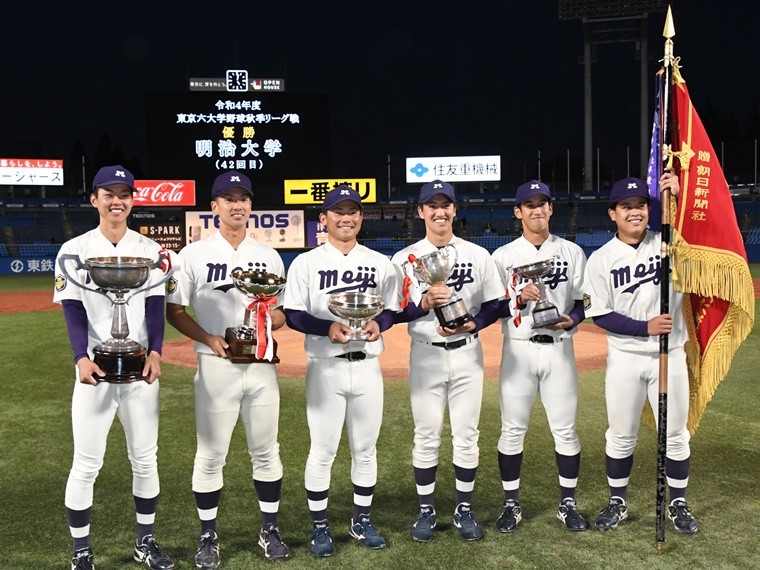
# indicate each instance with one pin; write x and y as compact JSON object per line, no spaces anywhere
{"x":207,"y":557}
{"x":613,"y":514}
{"x":274,"y":548}
{"x":510,"y":516}
{"x":568,"y":513}
{"x":680,"y":514}
{"x":83,"y":560}
{"x":150,"y":553}
{"x":465,"y":521}
{"x":321,"y":543}
{"x":422,"y":529}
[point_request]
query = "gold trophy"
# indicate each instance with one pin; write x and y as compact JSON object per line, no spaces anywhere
{"x":252,"y":341}
{"x":120,"y":357}
{"x":357,"y":308}
{"x":544,"y":313}
{"x":434,"y":269}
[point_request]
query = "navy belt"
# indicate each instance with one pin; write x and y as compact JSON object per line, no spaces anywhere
{"x":456,"y":343}
{"x":353,"y":356}
{"x":544,"y":339}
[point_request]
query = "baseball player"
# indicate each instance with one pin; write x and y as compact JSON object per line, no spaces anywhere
{"x":623,"y":279}
{"x":94,"y":404}
{"x":539,"y":361}
{"x":344,"y":384}
{"x":227,"y":391}
{"x":446,"y":365}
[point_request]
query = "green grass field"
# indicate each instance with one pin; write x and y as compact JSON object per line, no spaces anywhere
{"x":36,"y":447}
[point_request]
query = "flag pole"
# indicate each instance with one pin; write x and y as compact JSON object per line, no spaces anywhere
{"x":662,"y":408}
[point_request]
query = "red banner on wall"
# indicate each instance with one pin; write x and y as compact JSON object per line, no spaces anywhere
{"x":164,"y":193}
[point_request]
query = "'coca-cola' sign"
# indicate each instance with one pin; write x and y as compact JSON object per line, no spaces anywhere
{"x":164,"y":193}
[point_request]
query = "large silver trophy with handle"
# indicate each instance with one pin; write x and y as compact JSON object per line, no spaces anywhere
{"x":544,"y":313}
{"x":434,"y":269}
{"x":120,"y":357}
{"x":252,"y":340}
{"x":358,"y":309}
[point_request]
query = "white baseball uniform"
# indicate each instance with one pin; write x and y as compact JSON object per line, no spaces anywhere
{"x":438,"y":376}
{"x":93,"y":408}
{"x":340,"y":391}
{"x":626,"y":280}
{"x":226,"y":391}
{"x":530,"y":367}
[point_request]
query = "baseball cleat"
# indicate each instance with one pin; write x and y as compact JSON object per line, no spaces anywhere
{"x":83,"y":560}
{"x":613,"y":514}
{"x":207,"y":557}
{"x":422,"y":529}
{"x":367,"y":535}
{"x":321,"y":540}
{"x":510,"y":517}
{"x":274,"y":548}
{"x":150,"y":553}
{"x":568,"y":513}
{"x":464,"y":520}
{"x":680,"y":514}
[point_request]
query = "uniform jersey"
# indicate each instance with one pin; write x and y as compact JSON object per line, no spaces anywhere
{"x":316,"y":274}
{"x":564,"y":284}
{"x":100,"y":307}
{"x":473,"y":279}
{"x":204,"y":280}
{"x":626,"y":280}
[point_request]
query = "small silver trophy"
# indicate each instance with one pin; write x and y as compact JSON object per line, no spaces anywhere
{"x":434,"y":269}
{"x":120,"y":357}
{"x":358,"y":308}
{"x":544,"y":313}
{"x":246,"y":342}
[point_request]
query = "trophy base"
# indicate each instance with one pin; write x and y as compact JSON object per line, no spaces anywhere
{"x":453,"y":314}
{"x":120,"y":367}
{"x":243,"y":350}
{"x":546,"y":317}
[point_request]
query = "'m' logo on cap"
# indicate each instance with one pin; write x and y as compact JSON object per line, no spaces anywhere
{"x":631,"y":185}
{"x":234,"y":178}
{"x":345,"y":192}
{"x":437,"y":185}
{"x":534,"y":186}
{"x":120,"y":173}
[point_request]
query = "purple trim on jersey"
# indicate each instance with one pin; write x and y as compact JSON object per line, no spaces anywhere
{"x":155,"y":322}
{"x":577,"y":313}
{"x":75,"y":316}
{"x":620,"y":324}
{"x":306,"y":323}
{"x":488,"y":314}
{"x":411,"y":313}
{"x":385,"y":319}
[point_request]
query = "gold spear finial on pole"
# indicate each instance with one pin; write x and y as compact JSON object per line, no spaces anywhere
{"x":668,"y":32}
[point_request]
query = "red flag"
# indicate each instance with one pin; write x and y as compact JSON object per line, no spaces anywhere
{"x":709,"y":259}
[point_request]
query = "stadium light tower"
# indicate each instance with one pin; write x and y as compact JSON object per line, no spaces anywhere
{"x":607,"y":22}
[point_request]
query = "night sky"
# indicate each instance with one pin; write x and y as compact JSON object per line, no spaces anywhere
{"x":403,"y":79}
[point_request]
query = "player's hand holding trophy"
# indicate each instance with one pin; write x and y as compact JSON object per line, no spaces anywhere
{"x":544,"y":312}
{"x":358,"y":308}
{"x":252,"y":340}
{"x":120,"y":357}
{"x":434,"y":269}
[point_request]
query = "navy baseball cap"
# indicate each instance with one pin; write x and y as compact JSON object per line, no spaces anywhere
{"x":229,"y":180}
{"x":340,"y":194}
{"x":115,"y":174}
{"x":437,"y":187}
{"x":628,"y":188}
{"x":531,"y":188}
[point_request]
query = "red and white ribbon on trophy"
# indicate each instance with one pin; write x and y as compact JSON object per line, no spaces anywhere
{"x":261,"y":307}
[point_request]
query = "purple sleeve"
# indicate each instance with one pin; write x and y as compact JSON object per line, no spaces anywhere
{"x":155,"y":322}
{"x":503,"y":311}
{"x":385,"y":319}
{"x":577,"y":313}
{"x":620,"y":324}
{"x":76,"y":323}
{"x":411,"y":313}
{"x":488,"y":314}
{"x":306,"y":323}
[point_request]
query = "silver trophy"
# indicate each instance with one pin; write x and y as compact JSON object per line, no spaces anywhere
{"x":544,"y":313}
{"x":434,"y":269}
{"x":120,"y":357}
{"x":260,"y":288}
{"x":357,"y":308}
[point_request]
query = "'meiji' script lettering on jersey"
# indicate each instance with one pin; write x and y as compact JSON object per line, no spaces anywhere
{"x":461,"y":275}
{"x":633,"y":278}
{"x":360,"y":279}
{"x":218,"y":272}
{"x":553,"y":279}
